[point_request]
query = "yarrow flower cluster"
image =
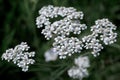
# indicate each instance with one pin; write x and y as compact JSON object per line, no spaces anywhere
{"x":102,"y":29}
{"x":20,"y":56}
{"x":79,"y":71}
{"x":105,"y":28}
{"x":64,"y":43}
{"x":91,"y":42}
{"x":69,"y":23}
{"x":60,"y":30}
{"x":67,"y":46}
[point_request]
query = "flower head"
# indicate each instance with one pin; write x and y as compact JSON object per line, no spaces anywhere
{"x":64,"y":43}
{"x":105,"y":29}
{"x":20,"y":56}
{"x":91,"y":42}
{"x":69,"y":23}
{"x":67,"y":46}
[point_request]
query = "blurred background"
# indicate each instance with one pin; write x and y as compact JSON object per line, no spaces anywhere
{"x":18,"y":24}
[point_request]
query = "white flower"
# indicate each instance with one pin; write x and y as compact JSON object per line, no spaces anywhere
{"x":9,"y":56}
{"x":69,"y":23}
{"x":105,"y":28}
{"x":90,"y":42}
{"x":79,"y":71}
{"x":67,"y":46}
{"x":102,"y":29}
{"x":20,"y":56}
{"x":61,"y":31}
{"x":50,"y":55}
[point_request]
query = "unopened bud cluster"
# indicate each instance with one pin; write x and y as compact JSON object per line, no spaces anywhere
{"x":20,"y":56}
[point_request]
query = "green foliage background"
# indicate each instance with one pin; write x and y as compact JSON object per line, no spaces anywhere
{"x":18,"y":24}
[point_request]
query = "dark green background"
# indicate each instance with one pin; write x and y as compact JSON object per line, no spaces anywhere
{"x":18,"y":24}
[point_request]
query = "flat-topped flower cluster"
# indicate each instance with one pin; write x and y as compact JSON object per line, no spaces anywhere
{"x":65,"y":45}
{"x":60,"y":31}
{"x":20,"y":56}
{"x":102,"y":32}
{"x":69,"y":23}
